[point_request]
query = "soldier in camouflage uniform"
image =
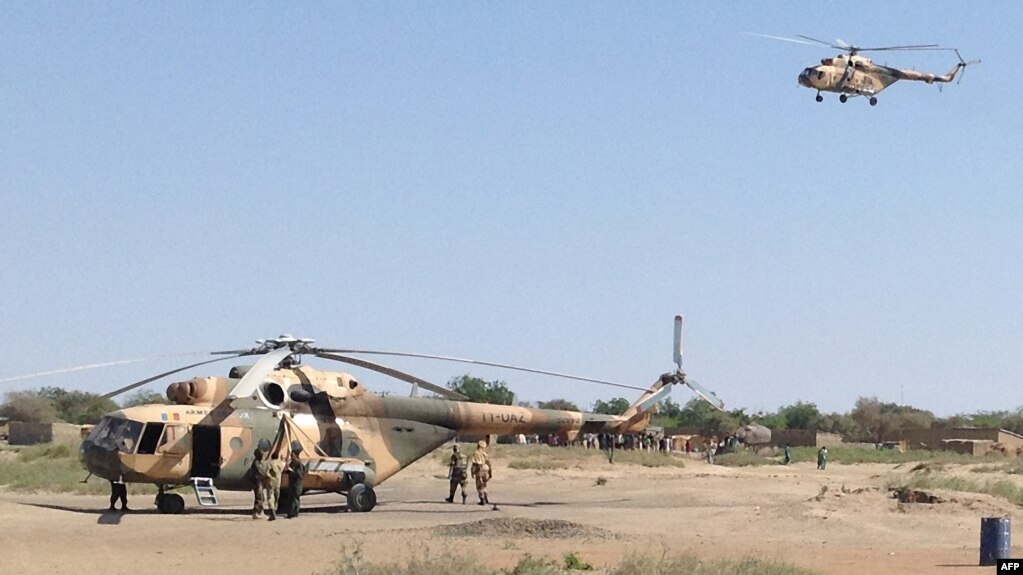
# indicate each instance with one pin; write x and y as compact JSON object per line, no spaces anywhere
{"x":276,"y":472}
{"x":481,"y":471}
{"x":261,"y":474}
{"x":457,"y":468}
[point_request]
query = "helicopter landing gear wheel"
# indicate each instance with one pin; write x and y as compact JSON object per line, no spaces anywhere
{"x":843,"y":98}
{"x":873,"y":101}
{"x":170,"y":503}
{"x":819,"y":97}
{"x":361,"y":498}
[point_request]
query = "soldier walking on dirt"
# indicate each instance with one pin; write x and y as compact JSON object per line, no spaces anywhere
{"x":481,"y":471}
{"x":822,"y":458}
{"x":608,"y":446}
{"x":457,"y":468}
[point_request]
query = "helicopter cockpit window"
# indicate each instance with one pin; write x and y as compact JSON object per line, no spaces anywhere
{"x":116,"y":433}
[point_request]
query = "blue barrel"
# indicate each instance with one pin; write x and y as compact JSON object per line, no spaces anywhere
{"x":995,"y":539}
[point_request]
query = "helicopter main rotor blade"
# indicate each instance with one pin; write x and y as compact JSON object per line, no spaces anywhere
{"x":911,"y":47}
{"x":678,"y":341}
{"x":487,"y":363}
{"x":158,"y":376}
{"x":828,"y":44}
{"x":706,"y":394}
{"x":246,"y":386}
{"x":415,"y":381}
{"x":96,"y":365}
{"x":784,"y":39}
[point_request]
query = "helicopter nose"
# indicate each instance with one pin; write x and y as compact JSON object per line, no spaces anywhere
{"x":804,"y":78}
{"x":99,"y":461}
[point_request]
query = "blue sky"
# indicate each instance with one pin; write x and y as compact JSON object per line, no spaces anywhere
{"x":544,"y":184}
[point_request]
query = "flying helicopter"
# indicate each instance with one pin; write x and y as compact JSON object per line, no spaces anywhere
{"x":352,"y":439}
{"x":851,"y":75}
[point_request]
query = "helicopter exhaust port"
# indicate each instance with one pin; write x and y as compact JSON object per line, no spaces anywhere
{"x":272,"y":395}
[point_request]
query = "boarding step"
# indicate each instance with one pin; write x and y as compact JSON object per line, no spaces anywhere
{"x":205,"y":493}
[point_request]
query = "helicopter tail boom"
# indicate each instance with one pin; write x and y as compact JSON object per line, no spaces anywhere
{"x":949,"y":77}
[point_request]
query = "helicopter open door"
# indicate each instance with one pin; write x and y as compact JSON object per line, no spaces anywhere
{"x":206,"y":451}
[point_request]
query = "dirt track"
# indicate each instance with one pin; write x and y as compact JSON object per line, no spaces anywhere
{"x":771,"y":512}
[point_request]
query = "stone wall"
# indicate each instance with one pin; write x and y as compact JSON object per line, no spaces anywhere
{"x":21,"y":433}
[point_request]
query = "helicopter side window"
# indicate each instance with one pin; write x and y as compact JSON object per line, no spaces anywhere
{"x":150,"y":438}
{"x":171,"y":441}
{"x":820,"y":74}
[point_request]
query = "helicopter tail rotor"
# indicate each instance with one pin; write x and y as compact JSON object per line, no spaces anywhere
{"x":963,"y":63}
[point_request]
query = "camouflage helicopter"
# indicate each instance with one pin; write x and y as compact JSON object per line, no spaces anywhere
{"x":352,"y":439}
{"x":851,"y":75}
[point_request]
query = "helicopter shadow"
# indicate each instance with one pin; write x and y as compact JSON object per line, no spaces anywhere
{"x":108,"y":517}
{"x":223,"y":514}
{"x":105,"y":516}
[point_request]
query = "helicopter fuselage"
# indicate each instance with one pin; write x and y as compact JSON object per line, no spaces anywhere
{"x":862,"y":77}
{"x":215,"y":435}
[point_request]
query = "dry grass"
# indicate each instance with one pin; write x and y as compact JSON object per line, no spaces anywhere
{"x":449,"y":563}
{"x":54,"y":468}
{"x":933,"y":480}
{"x":546,"y":458}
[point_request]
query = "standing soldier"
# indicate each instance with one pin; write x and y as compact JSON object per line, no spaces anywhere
{"x":456,"y":473}
{"x":822,"y":458}
{"x":296,"y":471}
{"x":259,"y":473}
{"x":119,"y":490}
{"x":276,"y":472}
{"x":481,"y":471}
{"x":255,"y":476}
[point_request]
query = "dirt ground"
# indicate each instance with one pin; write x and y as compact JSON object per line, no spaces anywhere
{"x":771,"y":512}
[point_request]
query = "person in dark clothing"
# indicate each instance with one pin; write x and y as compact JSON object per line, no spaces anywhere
{"x":119,"y":490}
{"x":296,"y":472}
{"x":457,"y":474}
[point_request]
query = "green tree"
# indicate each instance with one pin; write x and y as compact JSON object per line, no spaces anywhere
{"x":669,"y":409}
{"x":78,"y":406}
{"x":145,"y":397}
{"x":770,"y":419}
{"x":559,"y":404}
{"x":881,"y":421}
{"x":695,"y":413}
{"x":614,"y":406}
{"x":719,"y":423}
{"x":740,"y":416}
{"x":29,"y":407}
{"x":842,"y":424}
{"x":799,"y":415}
{"x":482,"y":391}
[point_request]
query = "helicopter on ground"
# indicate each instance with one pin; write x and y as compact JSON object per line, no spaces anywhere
{"x":352,"y":439}
{"x":851,"y":75}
